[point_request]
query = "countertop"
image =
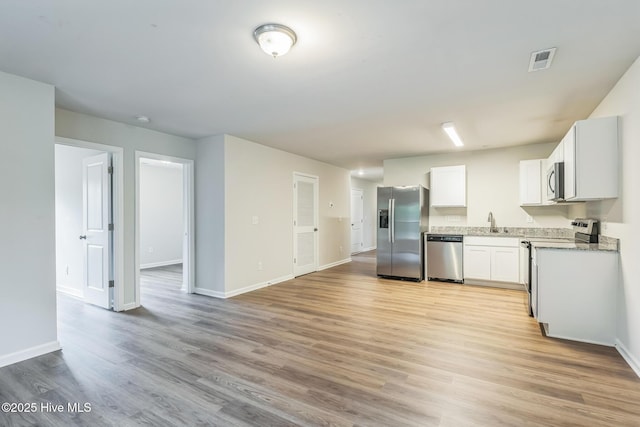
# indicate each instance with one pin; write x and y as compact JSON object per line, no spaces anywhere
{"x":602,"y":246}
{"x":519,"y":232}
{"x":544,"y":238}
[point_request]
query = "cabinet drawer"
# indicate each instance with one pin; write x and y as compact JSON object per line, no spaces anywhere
{"x":503,"y":242}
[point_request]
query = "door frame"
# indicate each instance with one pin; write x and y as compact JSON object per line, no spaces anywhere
{"x":317,"y":215}
{"x":117,"y":189}
{"x":362,"y":221}
{"x":188,"y":209}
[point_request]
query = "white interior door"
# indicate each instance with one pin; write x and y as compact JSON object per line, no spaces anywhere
{"x":357,"y":220}
{"x":305,"y":224}
{"x":96,"y":217}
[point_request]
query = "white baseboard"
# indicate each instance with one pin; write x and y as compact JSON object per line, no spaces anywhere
{"x":19,"y":356}
{"x":208,"y":292}
{"x":257,"y":286}
{"x":334,"y":264}
{"x":129,"y":306}
{"x":495,"y":284}
{"x":254,"y":287}
{"x":628,"y":357}
{"x":160,"y":263}
{"x":363,"y":250}
{"x":67,"y":290}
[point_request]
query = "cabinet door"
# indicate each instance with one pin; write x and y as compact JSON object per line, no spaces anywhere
{"x":597,"y":165}
{"x":477,"y":262}
{"x":448,"y":186}
{"x":569,"y":145}
{"x":505,"y":264}
{"x":524,"y":260}
{"x":557,"y":155}
{"x":530,"y":182}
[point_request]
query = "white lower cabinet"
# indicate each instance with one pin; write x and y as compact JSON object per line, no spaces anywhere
{"x":492,"y":258}
{"x":477,"y":262}
{"x":505,"y":264}
{"x":574,"y":293}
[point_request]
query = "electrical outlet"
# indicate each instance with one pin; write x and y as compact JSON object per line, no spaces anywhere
{"x":150,"y":249}
{"x":529,"y":218}
{"x":340,"y":248}
{"x":67,"y":270}
{"x":259,"y":265}
{"x":254,"y":219}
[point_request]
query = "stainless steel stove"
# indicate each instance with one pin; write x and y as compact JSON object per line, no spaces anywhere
{"x":586,"y":230}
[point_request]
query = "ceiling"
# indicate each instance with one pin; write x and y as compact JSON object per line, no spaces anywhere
{"x":367,"y":80}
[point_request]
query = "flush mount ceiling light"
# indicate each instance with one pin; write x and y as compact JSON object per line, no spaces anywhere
{"x":143,"y":119}
{"x":453,"y":135}
{"x":275,"y":39}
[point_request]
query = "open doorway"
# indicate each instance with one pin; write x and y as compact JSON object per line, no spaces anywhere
{"x":164,"y":224}
{"x":88,"y":182}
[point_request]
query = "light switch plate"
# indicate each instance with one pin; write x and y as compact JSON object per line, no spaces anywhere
{"x":254,"y":219}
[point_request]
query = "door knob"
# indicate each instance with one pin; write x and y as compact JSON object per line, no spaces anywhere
{"x":83,"y":237}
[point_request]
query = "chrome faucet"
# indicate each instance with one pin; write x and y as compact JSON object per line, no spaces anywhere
{"x":492,"y":223}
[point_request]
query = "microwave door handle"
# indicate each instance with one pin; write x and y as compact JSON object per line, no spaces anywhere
{"x":551,"y":186}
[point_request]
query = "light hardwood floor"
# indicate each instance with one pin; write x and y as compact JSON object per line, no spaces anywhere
{"x":338,"y":347}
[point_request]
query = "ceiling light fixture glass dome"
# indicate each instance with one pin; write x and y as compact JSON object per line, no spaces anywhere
{"x":275,"y":39}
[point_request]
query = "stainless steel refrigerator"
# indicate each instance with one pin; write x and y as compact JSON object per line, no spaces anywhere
{"x":403,"y":215}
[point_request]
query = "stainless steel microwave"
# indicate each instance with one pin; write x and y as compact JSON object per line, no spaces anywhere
{"x":555,"y":182}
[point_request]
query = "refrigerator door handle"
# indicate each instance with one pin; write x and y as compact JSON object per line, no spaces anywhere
{"x":389,"y":219}
{"x":392,"y":221}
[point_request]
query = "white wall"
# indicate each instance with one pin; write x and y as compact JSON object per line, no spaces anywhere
{"x":83,"y":127}
{"x":210,"y":216}
{"x":161,"y":215}
{"x":370,"y":195}
{"x":492,"y":186}
{"x":68,"y":197}
{"x":622,"y":216}
{"x":258,"y":181}
{"x":27,"y":245}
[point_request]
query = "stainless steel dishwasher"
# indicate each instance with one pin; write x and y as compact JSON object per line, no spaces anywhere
{"x":444,"y":257}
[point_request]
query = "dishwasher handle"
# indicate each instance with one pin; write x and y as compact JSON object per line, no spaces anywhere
{"x":456,"y":238}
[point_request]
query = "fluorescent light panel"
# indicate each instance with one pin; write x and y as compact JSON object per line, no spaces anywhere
{"x":453,"y":135}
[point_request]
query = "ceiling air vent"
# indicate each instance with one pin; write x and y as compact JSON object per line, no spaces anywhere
{"x":541,"y":60}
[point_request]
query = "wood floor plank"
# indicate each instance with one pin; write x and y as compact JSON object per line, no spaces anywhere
{"x":339,"y":347}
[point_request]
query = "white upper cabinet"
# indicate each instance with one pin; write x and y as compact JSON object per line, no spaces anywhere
{"x":533,"y":176}
{"x":531,"y":182}
{"x":591,"y":162}
{"x":557,"y":155}
{"x":448,"y":186}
